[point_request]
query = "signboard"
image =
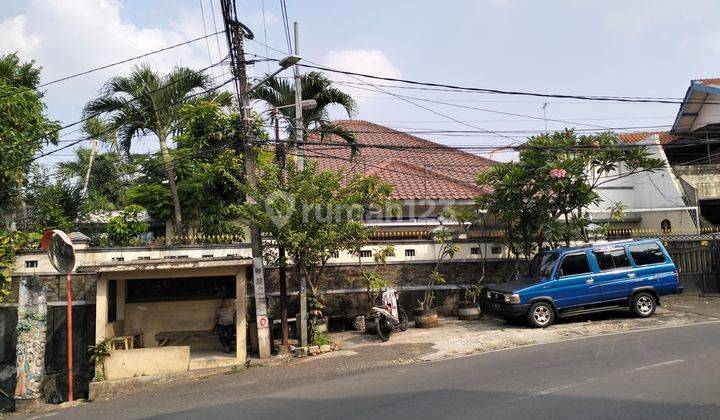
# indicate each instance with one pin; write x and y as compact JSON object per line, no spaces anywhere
{"x":260,"y":298}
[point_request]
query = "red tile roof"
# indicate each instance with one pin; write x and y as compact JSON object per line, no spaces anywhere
{"x":417,"y":168}
{"x":711,"y":81}
{"x":665,"y":137}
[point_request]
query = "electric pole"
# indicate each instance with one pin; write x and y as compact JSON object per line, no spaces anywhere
{"x":236,"y":32}
{"x":280,"y":157}
{"x":299,"y":133}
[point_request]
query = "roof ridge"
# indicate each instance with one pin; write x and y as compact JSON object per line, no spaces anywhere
{"x":420,"y":139}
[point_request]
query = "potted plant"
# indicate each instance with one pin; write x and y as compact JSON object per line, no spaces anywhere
{"x":468,"y":308}
{"x":425,"y":315}
{"x":98,"y":353}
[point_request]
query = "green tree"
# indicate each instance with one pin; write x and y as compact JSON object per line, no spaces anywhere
{"x":313,"y":215}
{"x":107,"y":183}
{"x":10,"y":243}
{"x":543,"y":198}
{"x":53,"y":204}
{"x":126,"y":228}
{"x":99,"y":131}
{"x":148,"y":103}
{"x":209,"y":171}
{"x":278,"y":92}
{"x":24,"y":130}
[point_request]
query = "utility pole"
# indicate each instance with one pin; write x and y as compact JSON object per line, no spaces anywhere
{"x":235,"y":34}
{"x":280,"y":156}
{"x":299,"y":133}
{"x":544,"y":107}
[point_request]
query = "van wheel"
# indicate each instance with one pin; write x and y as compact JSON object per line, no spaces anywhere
{"x":540,"y":315}
{"x":643,"y":305}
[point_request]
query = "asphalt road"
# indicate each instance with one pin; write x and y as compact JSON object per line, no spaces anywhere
{"x":663,"y":373}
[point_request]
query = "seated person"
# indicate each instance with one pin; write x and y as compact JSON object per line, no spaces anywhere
{"x":225,"y":323}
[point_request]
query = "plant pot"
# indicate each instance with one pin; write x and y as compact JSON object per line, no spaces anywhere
{"x":370,"y":325}
{"x":468,"y":311}
{"x":322,"y":325}
{"x":426,"y":318}
{"x":359,"y":323}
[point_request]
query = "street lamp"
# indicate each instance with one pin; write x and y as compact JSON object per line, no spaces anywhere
{"x":285,"y":63}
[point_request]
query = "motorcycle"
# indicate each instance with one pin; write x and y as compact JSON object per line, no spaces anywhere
{"x":390,"y":316}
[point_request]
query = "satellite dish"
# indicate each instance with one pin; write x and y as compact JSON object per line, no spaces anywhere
{"x":60,"y":250}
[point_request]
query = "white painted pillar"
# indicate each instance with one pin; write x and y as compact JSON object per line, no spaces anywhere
{"x":101,"y":308}
{"x":240,"y":316}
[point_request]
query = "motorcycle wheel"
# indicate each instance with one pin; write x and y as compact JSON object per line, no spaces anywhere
{"x":403,"y":319}
{"x":383,"y":328}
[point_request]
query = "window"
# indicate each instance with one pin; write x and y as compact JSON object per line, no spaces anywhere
{"x":365,"y":253}
{"x":143,"y":258}
{"x":31,"y":264}
{"x":118,"y":259}
{"x":475,"y":250}
{"x":496,"y":250}
{"x":410,"y":252}
{"x":180,"y":289}
{"x":646,"y":254}
{"x":573,"y":265}
{"x":336,"y":254}
{"x":207,"y":255}
{"x":610,"y":259}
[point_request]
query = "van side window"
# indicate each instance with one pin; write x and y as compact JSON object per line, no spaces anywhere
{"x":610,"y":259}
{"x":646,"y":254}
{"x":575,"y":264}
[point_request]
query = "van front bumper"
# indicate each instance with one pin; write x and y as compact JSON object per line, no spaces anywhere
{"x":679,"y":290}
{"x":509,"y":309}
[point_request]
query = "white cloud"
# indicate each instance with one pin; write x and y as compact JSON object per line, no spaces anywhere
{"x":362,"y":61}
{"x":66,"y":37}
{"x":15,"y":37}
{"x":367,"y":61}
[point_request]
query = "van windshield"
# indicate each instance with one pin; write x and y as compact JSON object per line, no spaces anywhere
{"x":542,"y":264}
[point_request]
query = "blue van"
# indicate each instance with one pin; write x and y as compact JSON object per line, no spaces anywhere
{"x":589,"y":278}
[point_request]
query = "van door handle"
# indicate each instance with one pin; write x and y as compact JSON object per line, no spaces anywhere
{"x":631,"y":275}
{"x":589,"y":281}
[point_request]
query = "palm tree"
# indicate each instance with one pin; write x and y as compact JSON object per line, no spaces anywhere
{"x":148,"y":103}
{"x":315,"y":85}
{"x":99,"y":131}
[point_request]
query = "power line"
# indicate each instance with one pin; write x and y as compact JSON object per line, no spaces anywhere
{"x":127,"y":60}
{"x":638,"y":99}
{"x":207,"y":41}
{"x":115,"y":128}
{"x":217,"y":37}
{"x":87,"y":117}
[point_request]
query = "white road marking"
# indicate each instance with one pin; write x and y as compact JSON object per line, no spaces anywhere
{"x":560,"y":388}
{"x":41,"y":416}
{"x":653,"y":366}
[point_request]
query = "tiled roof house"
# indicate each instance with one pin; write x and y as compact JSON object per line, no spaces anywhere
{"x":418,"y":169}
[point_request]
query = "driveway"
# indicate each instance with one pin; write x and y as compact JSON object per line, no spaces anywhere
{"x":456,"y":338}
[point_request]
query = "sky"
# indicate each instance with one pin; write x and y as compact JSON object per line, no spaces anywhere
{"x":625,"y":48}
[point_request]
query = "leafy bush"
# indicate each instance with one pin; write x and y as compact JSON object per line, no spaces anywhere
{"x":126,"y":229}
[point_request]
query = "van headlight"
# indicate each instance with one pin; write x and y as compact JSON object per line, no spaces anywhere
{"x":488,"y":295}
{"x":514,"y":298}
